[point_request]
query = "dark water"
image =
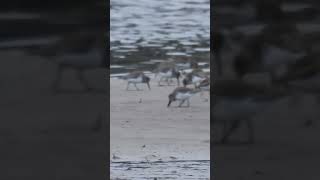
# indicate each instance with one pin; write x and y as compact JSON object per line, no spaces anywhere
{"x":146,"y":32}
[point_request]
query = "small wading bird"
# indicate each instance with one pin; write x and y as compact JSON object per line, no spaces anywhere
{"x":194,"y":77}
{"x":204,"y":85}
{"x":168,"y":73}
{"x":135,"y":78}
{"x":182,"y":94}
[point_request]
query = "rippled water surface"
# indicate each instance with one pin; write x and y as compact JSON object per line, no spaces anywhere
{"x":143,"y":31}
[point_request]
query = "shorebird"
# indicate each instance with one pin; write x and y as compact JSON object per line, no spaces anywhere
{"x":236,"y":102}
{"x":137,"y":77}
{"x":168,"y":73}
{"x":194,"y":77}
{"x":182,"y":94}
{"x":204,"y":85}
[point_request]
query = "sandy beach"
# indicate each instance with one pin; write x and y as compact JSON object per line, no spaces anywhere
{"x":143,"y":129}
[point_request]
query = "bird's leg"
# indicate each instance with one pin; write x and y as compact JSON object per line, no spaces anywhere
{"x":128,"y":86}
{"x":135,"y":85}
{"x":167,"y":79}
{"x":201,"y":93}
{"x":148,"y":86}
{"x":160,"y":81}
{"x":181,"y":102}
{"x":188,"y":103}
{"x":234,"y":126}
{"x":171,"y":81}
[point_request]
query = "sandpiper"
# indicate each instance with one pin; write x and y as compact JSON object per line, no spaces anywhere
{"x":182,"y":94}
{"x":135,"y":78}
{"x":195,"y":77}
{"x":204,"y":85}
{"x":168,"y":73}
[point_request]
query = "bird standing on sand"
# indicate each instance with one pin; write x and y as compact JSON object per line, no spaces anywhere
{"x":204,"y":85}
{"x":182,"y":94}
{"x":168,"y":73}
{"x":137,"y":77}
{"x":194,"y":77}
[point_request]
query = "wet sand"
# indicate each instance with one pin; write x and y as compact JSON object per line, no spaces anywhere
{"x":144,"y":129}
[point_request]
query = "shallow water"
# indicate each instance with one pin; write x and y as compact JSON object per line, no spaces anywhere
{"x":146,"y":30}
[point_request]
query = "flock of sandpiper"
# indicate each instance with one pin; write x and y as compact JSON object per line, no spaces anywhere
{"x":278,"y":51}
{"x":174,"y":70}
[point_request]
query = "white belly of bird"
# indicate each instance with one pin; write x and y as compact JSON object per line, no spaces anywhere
{"x":197,"y":79}
{"x":166,"y":74}
{"x":183,"y":96}
{"x":135,"y":80}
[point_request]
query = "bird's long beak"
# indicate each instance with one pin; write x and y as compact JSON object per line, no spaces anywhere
{"x":169,"y":103}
